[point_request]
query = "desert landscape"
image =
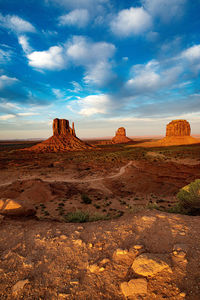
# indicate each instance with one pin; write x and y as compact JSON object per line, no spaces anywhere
{"x":99,"y":150}
{"x":81,"y":221}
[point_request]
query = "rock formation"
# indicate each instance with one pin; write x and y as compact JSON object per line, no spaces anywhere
{"x":177,"y":133}
{"x":178,"y":128}
{"x":120,"y":136}
{"x":64,"y":139}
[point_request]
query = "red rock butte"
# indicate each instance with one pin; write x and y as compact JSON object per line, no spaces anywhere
{"x":120,"y":136}
{"x":64,"y":139}
{"x":177,"y":133}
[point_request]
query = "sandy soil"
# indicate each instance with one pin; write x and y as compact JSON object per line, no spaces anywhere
{"x":80,"y":261}
{"x":43,"y":257}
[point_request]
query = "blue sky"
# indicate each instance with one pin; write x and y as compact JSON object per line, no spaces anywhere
{"x":100,"y":63}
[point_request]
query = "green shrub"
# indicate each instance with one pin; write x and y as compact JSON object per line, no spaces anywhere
{"x":189,"y":198}
{"x":77,"y":217}
{"x":86,"y":199}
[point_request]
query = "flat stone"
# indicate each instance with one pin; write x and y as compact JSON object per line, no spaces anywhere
{"x":150,"y":264}
{"x":19,"y":285}
{"x":134,"y":286}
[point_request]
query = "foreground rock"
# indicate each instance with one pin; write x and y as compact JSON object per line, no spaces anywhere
{"x":120,"y":136}
{"x":150,"y":264}
{"x":64,"y":139}
{"x":134,"y":287}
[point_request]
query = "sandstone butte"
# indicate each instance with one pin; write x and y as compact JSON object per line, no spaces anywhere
{"x":64,"y":139}
{"x":177,"y":133}
{"x":120,"y":136}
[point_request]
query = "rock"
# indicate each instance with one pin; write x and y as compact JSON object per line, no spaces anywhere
{"x":19,"y":285}
{"x":138,"y":247}
{"x":95,"y":268}
{"x":64,"y":139}
{"x":178,"y":128}
{"x":120,"y":136}
{"x":1,"y":219}
{"x":150,"y":264}
{"x":12,"y":207}
{"x":133,"y":287}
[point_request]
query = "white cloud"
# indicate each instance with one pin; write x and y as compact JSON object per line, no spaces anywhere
{"x":5,"y":81}
{"x":23,"y":41}
{"x":131,"y":21}
{"x":153,"y":77}
{"x":95,"y":57}
{"x":58,"y":93}
{"x":77,"y":87}
{"x":7,"y":117}
{"x":77,"y":17}
{"x":52,"y":59}
{"x":99,"y":74}
{"x":27,"y":114}
{"x":192,"y":53}
{"x":165,"y":9}
{"x":5,"y":55}
{"x":84,"y":52}
{"x":16,"y":24}
{"x":91,"y":105}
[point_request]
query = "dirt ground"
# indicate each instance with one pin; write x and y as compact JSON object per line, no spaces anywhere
{"x":43,"y":256}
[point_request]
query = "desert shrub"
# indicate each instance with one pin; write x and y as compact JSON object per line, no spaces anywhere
{"x":86,"y":199}
{"x":80,"y":216}
{"x":77,"y":217}
{"x":189,"y":198}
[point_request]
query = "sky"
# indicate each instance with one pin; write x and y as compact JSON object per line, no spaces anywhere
{"x":100,"y":63}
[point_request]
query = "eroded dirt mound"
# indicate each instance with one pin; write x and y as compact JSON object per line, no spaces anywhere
{"x":150,"y":255}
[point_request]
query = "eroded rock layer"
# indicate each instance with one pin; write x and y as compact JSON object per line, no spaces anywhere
{"x":64,"y":139}
{"x":120,"y":136}
{"x":178,"y":128}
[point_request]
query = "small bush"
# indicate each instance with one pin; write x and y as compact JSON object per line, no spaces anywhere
{"x":189,"y":198}
{"x":86,"y":199}
{"x":77,"y":217}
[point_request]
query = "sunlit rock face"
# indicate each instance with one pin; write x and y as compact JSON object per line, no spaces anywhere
{"x":64,"y":139}
{"x":61,"y":127}
{"x":178,"y":128}
{"x":120,"y":136}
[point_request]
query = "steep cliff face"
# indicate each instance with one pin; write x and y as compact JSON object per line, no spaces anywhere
{"x":178,"y":128}
{"x":120,"y":136}
{"x":64,"y":139}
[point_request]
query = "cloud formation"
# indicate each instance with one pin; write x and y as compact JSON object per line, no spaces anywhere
{"x":132,"y":21}
{"x":16,"y":24}
{"x":77,"y":17}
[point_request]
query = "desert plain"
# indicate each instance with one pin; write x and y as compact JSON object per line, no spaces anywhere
{"x":98,"y":223}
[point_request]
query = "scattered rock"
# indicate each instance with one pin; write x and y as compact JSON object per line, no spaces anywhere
{"x":95,"y":268}
{"x":150,"y":264}
{"x":133,"y":287}
{"x":120,"y":136}
{"x":19,"y":285}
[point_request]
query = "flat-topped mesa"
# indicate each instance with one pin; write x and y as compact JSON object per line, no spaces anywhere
{"x":61,"y":127}
{"x":64,"y":139}
{"x":178,"y":128}
{"x":120,"y":136}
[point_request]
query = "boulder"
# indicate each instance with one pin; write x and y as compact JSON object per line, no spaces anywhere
{"x":133,"y":287}
{"x":150,"y":264}
{"x":10,"y":207}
